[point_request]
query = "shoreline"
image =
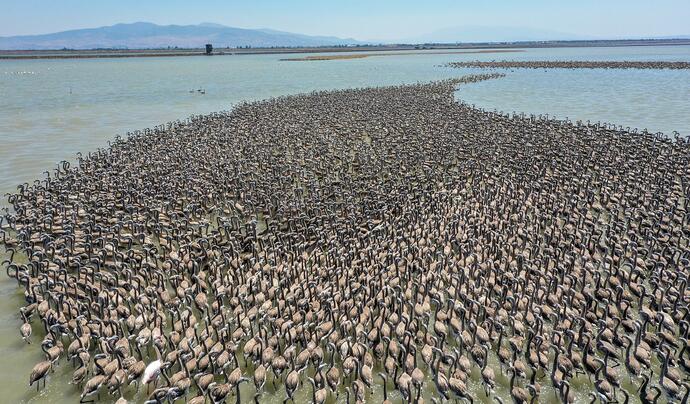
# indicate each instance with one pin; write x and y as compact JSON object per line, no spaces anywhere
{"x":364,"y":55}
{"x":127,"y":53}
{"x":573,"y":64}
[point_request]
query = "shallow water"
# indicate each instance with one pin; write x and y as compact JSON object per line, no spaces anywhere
{"x":51,"y":109}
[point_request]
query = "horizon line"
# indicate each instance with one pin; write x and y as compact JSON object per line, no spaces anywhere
{"x":678,"y":36}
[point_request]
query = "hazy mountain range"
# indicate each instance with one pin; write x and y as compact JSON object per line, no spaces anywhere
{"x":492,"y":34}
{"x":143,"y":35}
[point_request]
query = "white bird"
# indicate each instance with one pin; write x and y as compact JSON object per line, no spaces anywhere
{"x":152,"y":371}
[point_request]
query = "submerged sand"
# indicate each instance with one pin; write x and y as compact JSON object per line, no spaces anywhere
{"x":366,"y":55}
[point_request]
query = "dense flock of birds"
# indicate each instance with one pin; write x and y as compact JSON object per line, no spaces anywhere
{"x":338,"y":243}
{"x":571,"y":64}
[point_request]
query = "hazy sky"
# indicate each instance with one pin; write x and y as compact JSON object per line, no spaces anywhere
{"x":359,"y":19}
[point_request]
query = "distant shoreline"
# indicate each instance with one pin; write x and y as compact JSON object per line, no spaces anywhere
{"x":129,"y":53}
{"x":366,"y":55}
{"x":573,"y":64}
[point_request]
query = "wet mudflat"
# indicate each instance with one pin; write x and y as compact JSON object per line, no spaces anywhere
{"x":338,"y":245}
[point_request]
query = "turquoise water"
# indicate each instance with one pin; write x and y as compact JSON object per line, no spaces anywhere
{"x":52,"y":109}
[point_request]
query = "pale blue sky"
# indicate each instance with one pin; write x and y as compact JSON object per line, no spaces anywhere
{"x":360,"y":19}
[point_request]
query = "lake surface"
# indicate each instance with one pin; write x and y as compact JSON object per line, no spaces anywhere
{"x":52,"y":109}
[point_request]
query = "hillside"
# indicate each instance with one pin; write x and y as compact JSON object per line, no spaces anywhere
{"x":144,"y":35}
